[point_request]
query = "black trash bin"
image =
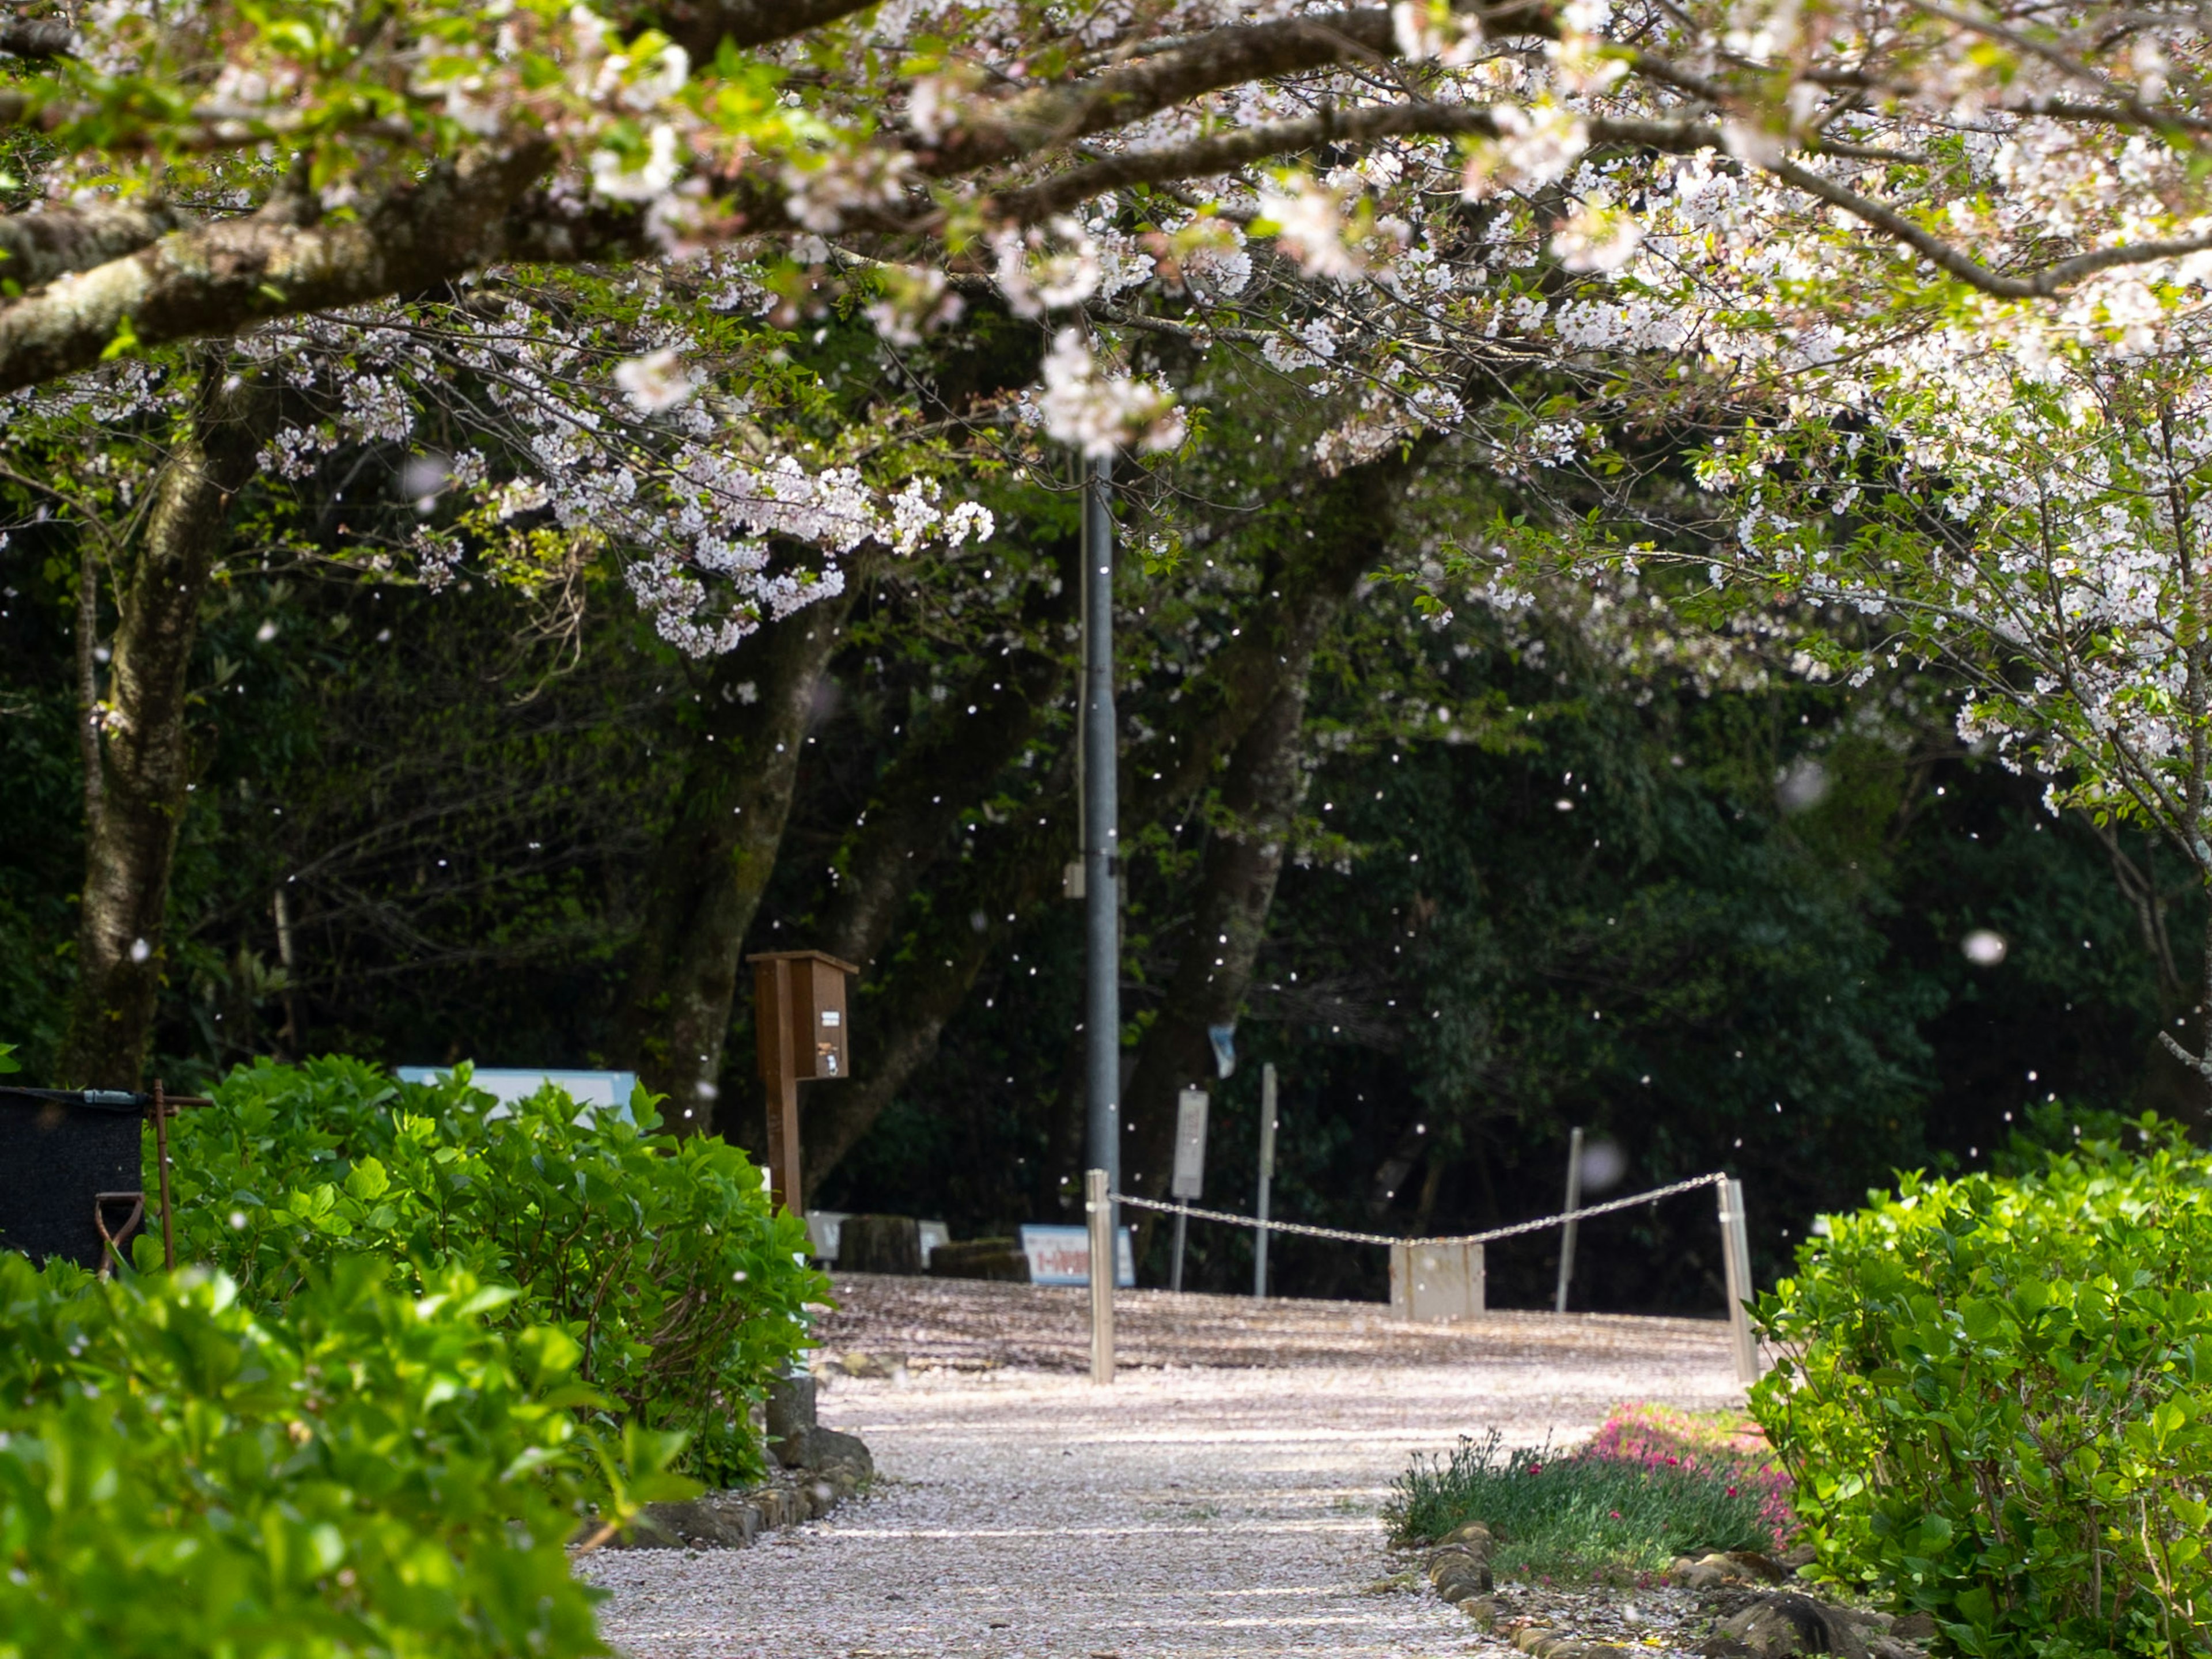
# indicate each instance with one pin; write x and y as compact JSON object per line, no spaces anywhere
{"x":58,"y":1151}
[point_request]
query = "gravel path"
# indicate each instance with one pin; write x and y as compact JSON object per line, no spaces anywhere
{"x":1229,"y":1510}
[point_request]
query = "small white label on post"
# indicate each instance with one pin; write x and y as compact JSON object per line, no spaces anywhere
{"x":831,"y":1017}
{"x":1190,"y":1144}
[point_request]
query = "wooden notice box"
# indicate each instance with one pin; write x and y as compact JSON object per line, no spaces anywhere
{"x":798,"y":1012}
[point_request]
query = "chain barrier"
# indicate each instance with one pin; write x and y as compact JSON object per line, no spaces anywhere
{"x":1342,"y":1236}
{"x":1273,"y":1226}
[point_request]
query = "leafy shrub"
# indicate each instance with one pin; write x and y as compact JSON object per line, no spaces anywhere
{"x":659,"y":1257}
{"x":1619,"y":1508}
{"x":373,"y":1475}
{"x":1996,"y":1397}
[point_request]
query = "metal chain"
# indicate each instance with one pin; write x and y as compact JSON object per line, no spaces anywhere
{"x":1336,"y":1233}
{"x":1343,"y":1237}
{"x":1610,"y":1204}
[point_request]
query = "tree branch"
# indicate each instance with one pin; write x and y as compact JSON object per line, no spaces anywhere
{"x":1204,"y":156}
{"x":44,"y":37}
{"x":37,"y":248}
{"x":1225,"y":56}
{"x":2039,"y":285}
{"x":701,"y":26}
{"x":216,"y":279}
{"x":2196,"y":1063}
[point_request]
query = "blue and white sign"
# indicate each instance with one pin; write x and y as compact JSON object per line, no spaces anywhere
{"x":509,"y":1085}
{"x":1061,"y":1255}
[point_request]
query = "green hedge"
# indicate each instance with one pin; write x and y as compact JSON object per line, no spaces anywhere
{"x":373,"y":1475}
{"x":659,"y":1257}
{"x":1998,"y":1405}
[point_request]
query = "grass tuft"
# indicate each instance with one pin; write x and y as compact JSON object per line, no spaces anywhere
{"x":1651,"y":1485}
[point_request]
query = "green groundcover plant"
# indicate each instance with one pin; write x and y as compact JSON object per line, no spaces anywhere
{"x":659,"y":1258}
{"x":1995,"y":1401}
{"x":1651,"y":1485}
{"x":370,"y":1474}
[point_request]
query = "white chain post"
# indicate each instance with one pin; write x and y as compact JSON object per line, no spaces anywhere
{"x":1567,"y":1229}
{"x":1735,"y":1262}
{"x":1098,"y":1210}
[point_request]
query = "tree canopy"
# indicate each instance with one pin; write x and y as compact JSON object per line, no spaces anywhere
{"x":205,"y":168}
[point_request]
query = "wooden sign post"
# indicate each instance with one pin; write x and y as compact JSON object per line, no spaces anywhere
{"x":799,"y":1017}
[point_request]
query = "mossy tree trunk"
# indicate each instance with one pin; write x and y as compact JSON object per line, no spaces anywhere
{"x":140,"y":769}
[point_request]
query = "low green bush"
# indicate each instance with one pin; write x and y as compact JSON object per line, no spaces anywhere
{"x":373,"y":1475}
{"x":1996,"y":1400}
{"x":1619,"y":1508}
{"x":659,"y":1257}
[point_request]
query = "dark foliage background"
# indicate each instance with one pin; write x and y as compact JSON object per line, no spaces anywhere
{"x":1716,"y":925}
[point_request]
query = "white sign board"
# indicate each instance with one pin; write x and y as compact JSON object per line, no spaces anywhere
{"x":1061,"y":1255}
{"x":509,"y":1085}
{"x":1190,"y":1144}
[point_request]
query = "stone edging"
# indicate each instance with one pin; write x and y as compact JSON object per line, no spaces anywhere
{"x":818,"y":1470}
{"x":1459,"y":1568}
{"x":1762,"y":1624}
{"x":733,"y":1519}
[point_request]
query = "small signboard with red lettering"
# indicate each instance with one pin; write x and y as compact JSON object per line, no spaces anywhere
{"x":1061,"y":1255}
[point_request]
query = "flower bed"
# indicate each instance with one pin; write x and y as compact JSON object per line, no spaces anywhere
{"x":1652,"y":1484}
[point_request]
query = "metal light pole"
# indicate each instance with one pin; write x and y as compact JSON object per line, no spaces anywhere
{"x":1102,"y":861}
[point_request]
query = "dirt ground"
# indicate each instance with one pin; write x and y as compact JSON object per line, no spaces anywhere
{"x":1223,"y":1498}
{"x":953,"y":1324}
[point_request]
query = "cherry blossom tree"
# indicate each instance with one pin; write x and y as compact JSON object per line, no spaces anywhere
{"x":1529,"y":226}
{"x":2042,"y":528}
{"x":534,"y":440}
{"x":201,"y":171}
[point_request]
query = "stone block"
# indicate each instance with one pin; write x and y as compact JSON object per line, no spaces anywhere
{"x":880,"y":1245}
{"x":790,"y":1415}
{"x":711,"y":1522}
{"x":1783,"y":1623}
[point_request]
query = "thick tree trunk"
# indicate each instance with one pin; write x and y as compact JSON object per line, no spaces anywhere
{"x":716,"y":860}
{"x":136,"y":797}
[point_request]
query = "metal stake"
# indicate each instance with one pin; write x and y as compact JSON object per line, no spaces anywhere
{"x":1735,"y":1262}
{"x":1099,"y":1211}
{"x":1567,"y":1231}
{"x":1266,"y":1177}
{"x":162,"y":1161}
{"x":1175,"y":1267}
{"x":1101,"y":864}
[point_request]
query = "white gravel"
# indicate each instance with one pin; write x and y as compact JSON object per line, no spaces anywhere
{"x":1181,"y":1511}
